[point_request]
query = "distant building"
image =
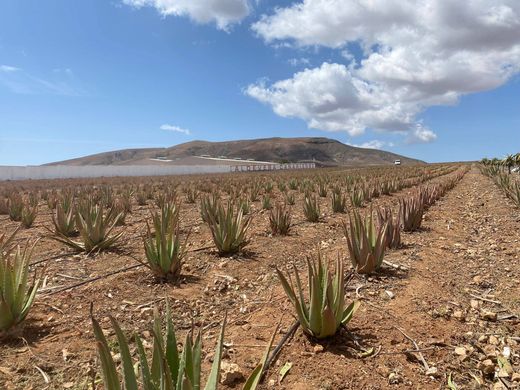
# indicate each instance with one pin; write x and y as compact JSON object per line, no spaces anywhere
{"x":397,"y":162}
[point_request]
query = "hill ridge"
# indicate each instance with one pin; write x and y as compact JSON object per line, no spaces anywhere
{"x":326,"y":151}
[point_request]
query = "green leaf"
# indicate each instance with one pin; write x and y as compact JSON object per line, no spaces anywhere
{"x":126,"y":359}
{"x":284,"y":370}
{"x":214,"y":375}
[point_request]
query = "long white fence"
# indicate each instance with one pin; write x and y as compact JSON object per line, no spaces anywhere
{"x":89,"y":171}
{"x":271,"y":167}
{"x":86,"y":171}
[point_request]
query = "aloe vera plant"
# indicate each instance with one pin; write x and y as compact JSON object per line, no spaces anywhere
{"x":311,"y":208}
{"x":411,"y":211}
{"x":170,"y":368}
{"x":229,"y":228}
{"x":63,"y":220}
{"x":339,"y":201}
{"x":6,"y":242}
{"x":163,"y":248}
{"x":29,"y":213}
{"x":16,"y":206}
{"x":366,"y":243}
{"x":357,"y":196}
{"x":95,"y":228}
{"x":4,"y":206}
{"x":208,"y":207}
{"x":280,"y":220}
{"x":393,"y":229}
{"x":266,"y":202}
{"x":289,"y":199}
{"x":322,"y":189}
{"x":325,"y":312}
{"x":16,"y":292}
{"x":191,"y":195}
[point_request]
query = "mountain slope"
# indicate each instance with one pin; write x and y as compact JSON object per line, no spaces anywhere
{"x":324,"y":150}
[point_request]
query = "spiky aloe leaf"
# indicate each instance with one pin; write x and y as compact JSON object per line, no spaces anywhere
{"x":254,"y":379}
{"x":130,"y":380}
{"x":349,"y":312}
{"x":214,"y":375}
{"x":108,"y":367}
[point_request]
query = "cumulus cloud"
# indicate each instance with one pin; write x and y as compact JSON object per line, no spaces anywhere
{"x":421,"y":135}
{"x":177,"y":129}
{"x":415,"y":54}
{"x":222,"y":12}
{"x":374,"y":144}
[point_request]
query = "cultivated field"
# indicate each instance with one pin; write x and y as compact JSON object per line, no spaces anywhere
{"x":430,"y":284}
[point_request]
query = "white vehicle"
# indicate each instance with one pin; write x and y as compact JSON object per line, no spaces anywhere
{"x":397,"y":162}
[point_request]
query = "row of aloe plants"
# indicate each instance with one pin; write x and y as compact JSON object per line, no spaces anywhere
{"x":508,"y":183}
{"x":321,"y":317}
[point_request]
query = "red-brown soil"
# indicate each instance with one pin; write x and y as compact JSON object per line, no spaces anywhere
{"x":465,"y":256}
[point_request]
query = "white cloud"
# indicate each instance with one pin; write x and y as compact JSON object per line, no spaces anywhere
{"x":421,"y":135}
{"x":331,"y":98}
{"x":373,"y":144}
{"x":416,"y":54}
{"x":298,"y":61}
{"x":8,"y":69}
{"x":222,"y":12}
{"x":177,"y":129}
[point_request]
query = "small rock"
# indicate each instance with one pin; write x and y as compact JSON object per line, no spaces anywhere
{"x":487,"y":367}
{"x":390,"y":294}
{"x":461,"y":351}
{"x":459,"y":315}
{"x":493,"y":340}
{"x":318,"y":348}
{"x":116,"y":357}
{"x":474,"y":304}
{"x":515,"y":377}
{"x":432,"y":371}
{"x":488,"y":315}
{"x":230,"y":373}
{"x":394,"y":378}
{"x":490,"y":351}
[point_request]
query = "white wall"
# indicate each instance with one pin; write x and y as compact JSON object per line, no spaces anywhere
{"x":87,"y":171}
{"x":66,"y":172}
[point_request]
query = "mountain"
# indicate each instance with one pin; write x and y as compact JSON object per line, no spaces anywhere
{"x":322,"y":150}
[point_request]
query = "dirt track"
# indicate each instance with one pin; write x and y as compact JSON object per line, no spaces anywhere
{"x":469,"y":247}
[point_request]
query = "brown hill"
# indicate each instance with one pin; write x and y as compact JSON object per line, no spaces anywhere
{"x":323,"y":150}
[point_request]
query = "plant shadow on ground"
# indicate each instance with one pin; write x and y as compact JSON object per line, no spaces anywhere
{"x":33,"y":330}
{"x":182,"y":281}
{"x":391,"y":272}
{"x":343,"y":343}
{"x":243,"y":255}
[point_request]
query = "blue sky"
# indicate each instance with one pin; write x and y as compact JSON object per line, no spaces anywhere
{"x":82,"y":77}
